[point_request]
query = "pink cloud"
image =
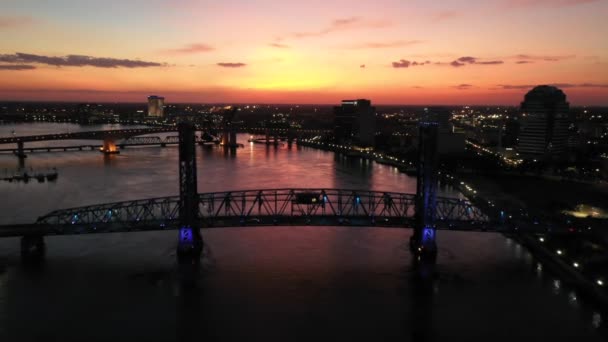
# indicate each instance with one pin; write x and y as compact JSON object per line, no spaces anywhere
{"x":189,"y":49}
{"x":231,"y":65}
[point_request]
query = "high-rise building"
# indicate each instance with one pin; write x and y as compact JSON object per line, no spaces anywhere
{"x":544,"y":127}
{"x":355,"y":123}
{"x":449,"y":143}
{"x":156,"y":106}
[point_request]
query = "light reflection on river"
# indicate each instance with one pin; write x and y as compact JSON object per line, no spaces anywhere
{"x":273,"y":283}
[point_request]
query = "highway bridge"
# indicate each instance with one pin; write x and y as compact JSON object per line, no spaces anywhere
{"x":112,"y":139}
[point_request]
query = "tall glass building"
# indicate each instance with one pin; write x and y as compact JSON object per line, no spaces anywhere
{"x":544,"y":131}
{"x":156,"y":106}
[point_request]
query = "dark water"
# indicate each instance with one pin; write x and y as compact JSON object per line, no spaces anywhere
{"x":277,"y":283}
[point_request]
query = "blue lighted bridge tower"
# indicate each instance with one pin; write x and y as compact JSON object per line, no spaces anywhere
{"x":422,"y":241}
{"x":190,"y":244}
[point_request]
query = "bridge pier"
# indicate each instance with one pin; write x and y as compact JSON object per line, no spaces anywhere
{"x":423,"y":242}
{"x":290,"y":137}
{"x":190,"y":240}
{"x":32,"y":248}
{"x":20,"y":153}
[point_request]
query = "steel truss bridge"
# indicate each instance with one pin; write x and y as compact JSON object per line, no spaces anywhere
{"x":268,"y":207}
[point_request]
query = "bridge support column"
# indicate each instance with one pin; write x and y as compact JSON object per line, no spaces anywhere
{"x":20,"y":150}
{"x":233,"y":142}
{"x":289,"y":138}
{"x":32,"y":248}
{"x":423,"y":242}
{"x":190,"y":241}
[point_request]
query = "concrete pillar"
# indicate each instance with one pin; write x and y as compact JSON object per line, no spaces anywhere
{"x":20,"y":150}
{"x":233,"y":142}
{"x":289,"y":138}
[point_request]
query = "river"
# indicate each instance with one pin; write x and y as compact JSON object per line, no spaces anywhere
{"x":270,"y":283}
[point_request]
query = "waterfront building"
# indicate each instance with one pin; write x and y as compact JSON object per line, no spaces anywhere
{"x":156,"y":106}
{"x":449,"y":143}
{"x":544,"y":131}
{"x":355,"y":123}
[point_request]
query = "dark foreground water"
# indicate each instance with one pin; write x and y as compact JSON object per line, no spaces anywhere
{"x":276,"y":283}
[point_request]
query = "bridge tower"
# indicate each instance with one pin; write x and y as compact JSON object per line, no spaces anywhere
{"x":190,"y":243}
{"x":423,"y":241}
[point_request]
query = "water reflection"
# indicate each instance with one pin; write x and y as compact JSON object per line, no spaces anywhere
{"x":424,"y":287}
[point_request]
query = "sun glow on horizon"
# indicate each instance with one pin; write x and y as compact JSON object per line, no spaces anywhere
{"x":477,"y":52}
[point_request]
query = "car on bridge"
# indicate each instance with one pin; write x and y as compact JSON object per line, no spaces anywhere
{"x":308,"y":198}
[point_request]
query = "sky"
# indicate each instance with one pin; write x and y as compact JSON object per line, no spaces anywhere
{"x":314,"y":51}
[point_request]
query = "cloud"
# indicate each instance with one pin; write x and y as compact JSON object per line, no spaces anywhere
{"x":231,"y":65}
{"x":76,"y":61}
{"x":462,"y":61}
{"x":279,"y":45}
{"x":362,"y":66}
{"x":546,"y":3}
{"x":384,"y":45}
{"x":342,"y":24}
{"x":467,"y":59}
{"x":559,"y":85}
{"x":444,"y":15}
{"x":406,"y":64}
{"x":14,"y":22}
{"x":401,"y":64}
{"x":490,"y":62}
{"x":17,"y":67}
{"x":523,"y":62}
{"x":192,"y":48}
{"x":463,"y":86}
{"x":546,"y":58}
{"x":593,"y":85}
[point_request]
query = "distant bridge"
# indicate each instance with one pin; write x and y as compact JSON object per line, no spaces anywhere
{"x":130,"y":137}
{"x":88,"y":135}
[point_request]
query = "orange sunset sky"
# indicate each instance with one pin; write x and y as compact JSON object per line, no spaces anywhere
{"x":273,"y":51}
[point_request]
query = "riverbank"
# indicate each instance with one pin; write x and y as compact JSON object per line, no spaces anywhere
{"x":404,"y":165}
{"x":583,"y":267}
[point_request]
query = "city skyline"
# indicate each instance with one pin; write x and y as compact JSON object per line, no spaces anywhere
{"x":393,"y":52}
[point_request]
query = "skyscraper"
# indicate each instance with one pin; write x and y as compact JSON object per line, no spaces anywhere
{"x":156,"y":106}
{"x":544,"y":131}
{"x":355,"y":122}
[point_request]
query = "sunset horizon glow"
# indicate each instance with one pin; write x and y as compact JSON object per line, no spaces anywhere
{"x":319,"y":52}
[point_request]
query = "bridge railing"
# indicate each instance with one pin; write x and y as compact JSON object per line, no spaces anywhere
{"x":267,"y":207}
